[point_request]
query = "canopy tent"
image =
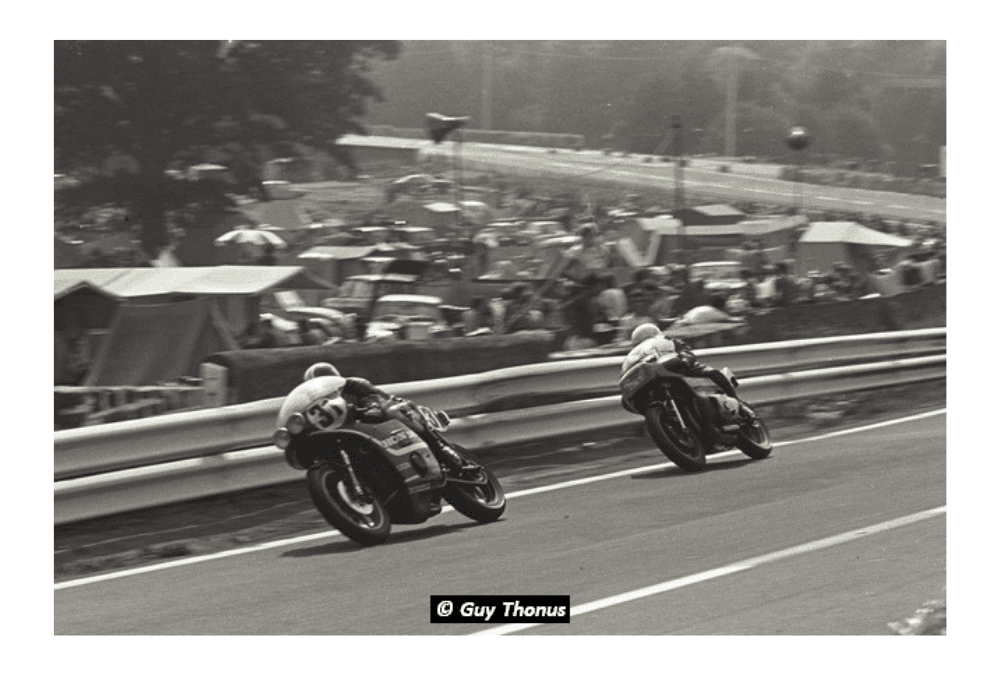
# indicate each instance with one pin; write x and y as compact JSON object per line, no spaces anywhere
{"x":336,"y":263}
{"x":711,"y":214}
{"x":642,"y":243}
{"x":147,"y":344}
{"x":770,"y":232}
{"x":80,"y":305}
{"x":829,"y":242}
{"x":234,"y":289}
{"x":144,"y":282}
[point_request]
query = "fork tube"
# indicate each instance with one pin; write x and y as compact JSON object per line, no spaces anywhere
{"x":350,"y":472}
{"x":678,"y":413}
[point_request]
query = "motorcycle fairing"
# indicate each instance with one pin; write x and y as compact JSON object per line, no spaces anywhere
{"x":309,"y":392}
{"x":379,"y":438}
{"x":638,"y":376}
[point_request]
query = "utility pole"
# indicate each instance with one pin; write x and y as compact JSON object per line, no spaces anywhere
{"x":798,"y":139}
{"x":486,"y":90}
{"x":675,"y":123}
{"x":732,"y":88}
{"x":678,"y":163}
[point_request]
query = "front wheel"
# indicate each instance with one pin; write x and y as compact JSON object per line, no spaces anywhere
{"x":483,"y":501}
{"x":754,"y":440}
{"x":681,"y":446}
{"x":359,"y":516}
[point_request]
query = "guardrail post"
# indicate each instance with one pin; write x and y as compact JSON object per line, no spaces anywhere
{"x":215,"y":380}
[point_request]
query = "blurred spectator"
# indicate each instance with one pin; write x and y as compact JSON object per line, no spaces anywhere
{"x":753,"y":257}
{"x":518,"y":313}
{"x":785,"y":285}
{"x":265,"y":336}
{"x":641,"y":278}
{"x":502,"y":269}
{"x":910,"y":273}
{"x":844,"y":281}
{"x":765,"y":287}
{"x":269,"y":257}
{"x":749,"y":292}
{"x":578,"y":309}
{"x":590,"y":255}
{"x":691,"y":296}
{"x":820,"y":289}
{"x":612,"y":302}
{"x":310,"y":335}
{"x":479,"y":317}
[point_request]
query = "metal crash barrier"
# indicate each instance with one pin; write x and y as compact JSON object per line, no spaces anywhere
{"x":137,"y":464}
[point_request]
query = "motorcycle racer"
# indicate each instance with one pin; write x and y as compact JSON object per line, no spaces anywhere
{"x":649,"y":340}
{"x":368,"y":404}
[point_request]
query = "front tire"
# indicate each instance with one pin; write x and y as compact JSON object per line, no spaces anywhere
{"x":360,"y":517}
{"x":683,"y":448}
{"x":754,"y":440}
{"x":483,"y":503}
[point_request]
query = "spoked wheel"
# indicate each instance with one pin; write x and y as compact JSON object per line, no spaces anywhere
{"x":681,"y":446}
{"x":359,"y":516}
{"x":754,"y":440}
{"x":480,"y":497}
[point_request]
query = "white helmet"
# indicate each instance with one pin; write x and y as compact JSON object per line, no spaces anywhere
{"x":320,"y":369}
{"x":329,"y":413}
{"x":644,"y":332}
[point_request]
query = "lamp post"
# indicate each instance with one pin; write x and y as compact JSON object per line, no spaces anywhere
{"x":675,"y":123}
{"x":438,"y":127}
{"x":798,"y":139}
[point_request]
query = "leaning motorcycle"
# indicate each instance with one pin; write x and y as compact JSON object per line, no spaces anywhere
{"x":687,"y":423}
{"x":364,"y":477}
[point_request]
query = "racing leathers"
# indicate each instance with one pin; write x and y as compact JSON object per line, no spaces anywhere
{"x":689,"y":365}
{"x":372,"y":405}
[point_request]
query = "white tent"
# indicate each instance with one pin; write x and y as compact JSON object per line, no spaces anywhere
{"x":829,"y":242}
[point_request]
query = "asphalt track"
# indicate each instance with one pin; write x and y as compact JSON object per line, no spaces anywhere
{"x":744,"y":182}
{"x":834,"y":535}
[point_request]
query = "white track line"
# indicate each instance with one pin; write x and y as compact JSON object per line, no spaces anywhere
{"x":749,"y":563}
{"x":521,"y":493}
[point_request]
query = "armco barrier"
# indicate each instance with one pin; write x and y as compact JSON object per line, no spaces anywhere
{"x":130,"y":489}
{"x":136,"y":443}
{"x":125,"y":490}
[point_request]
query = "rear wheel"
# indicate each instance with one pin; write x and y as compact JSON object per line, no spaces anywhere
{"x":359,"y":516}
{"x":681,"y":446}
{"x":481,"y":499}
{"x":754,"y":439}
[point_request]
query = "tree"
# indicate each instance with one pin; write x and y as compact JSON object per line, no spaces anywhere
{"x":163,"y":102}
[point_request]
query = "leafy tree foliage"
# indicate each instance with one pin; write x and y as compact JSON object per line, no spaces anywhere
{"x":629,"y":90}
{"x":157,"y":105}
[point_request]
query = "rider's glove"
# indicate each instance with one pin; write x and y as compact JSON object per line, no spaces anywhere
{"x":371,"y":414}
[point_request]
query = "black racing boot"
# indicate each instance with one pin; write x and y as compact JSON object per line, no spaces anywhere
{"x":454,"y":464}
{"x":746,"y":412}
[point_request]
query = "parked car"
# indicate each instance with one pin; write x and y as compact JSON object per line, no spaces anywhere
{"x":408,"y":317}
{"x":359,"y":292}
{"x":720,"y":276}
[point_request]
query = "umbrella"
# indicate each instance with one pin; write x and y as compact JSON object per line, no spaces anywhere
{"x":253,"y":237}
{"x":418,"y":179}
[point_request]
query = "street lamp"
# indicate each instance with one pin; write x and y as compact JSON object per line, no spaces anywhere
{"x":675,"y":123}
{"x":438,"y":127}
{"x":798,"y":139}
